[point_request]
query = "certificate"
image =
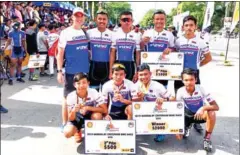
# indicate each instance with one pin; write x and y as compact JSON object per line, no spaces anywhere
{"x":36,"y":62}
{"x":164,"y":67}
{"x":153,"y":119}
{"x":116,"y":136}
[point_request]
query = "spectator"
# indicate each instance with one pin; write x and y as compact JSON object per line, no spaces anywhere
{"x":36,"y":16}
{"x":18,"y":12}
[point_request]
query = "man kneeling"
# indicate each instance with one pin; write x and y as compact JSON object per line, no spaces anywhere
{"x":196,"y":111}
{"x":84,"y":103}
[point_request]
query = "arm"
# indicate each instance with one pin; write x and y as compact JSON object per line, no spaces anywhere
{"x":138,"y":58}
{"x":112,"y":59}
{"x":207,"y":59}
{"x":212,"y":107}
{"x":72,"y":115}
{"x":60,"y":58}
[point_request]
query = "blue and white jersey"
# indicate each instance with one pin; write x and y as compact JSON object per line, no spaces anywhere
{"x":153,"y":91}
{"x":127,"y":90}
{"x":193,"y":49}
{"x":196,"y":101}
{"x":76,"y":51}
{"x":17,"y":37}
{"x":159,"y":41}
{"x":94,"y":99}
{"x":100,"y":44}
{"x":125,"y":44}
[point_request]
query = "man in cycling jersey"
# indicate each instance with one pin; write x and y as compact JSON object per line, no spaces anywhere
{"x":200,"y":107}
{"x":125,"y":43}
{"x":100,"y":46}
{"x":84,"y":103}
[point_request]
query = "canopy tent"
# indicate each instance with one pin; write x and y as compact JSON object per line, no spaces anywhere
{"x":55,"y":5}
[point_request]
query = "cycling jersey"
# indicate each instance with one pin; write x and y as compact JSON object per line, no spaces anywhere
{"x":75,"y":45}
{"x":94,"y":99}
{"x":193,"y":49}
{"x":153,"y":91}
{"x":159,"y":41}
{"x":52,"y":40}
{"x":100,"y":44}
{"x":125,"y":44}
{"x":196,"y":101}
{"x":127,"y":90}
{"x":17,"y":37}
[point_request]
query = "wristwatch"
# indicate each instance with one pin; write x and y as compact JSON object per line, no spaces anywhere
{"x":59,"y":71}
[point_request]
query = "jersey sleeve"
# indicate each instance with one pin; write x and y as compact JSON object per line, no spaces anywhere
{"x":114,"y":40}
{"x":62,"y":40}
{"x":99,"y":98}
{"x":105,"y":93}
{"x":23,"y":36}
{"x":206,"y":96}
{"x":162,"y":91}
{"x":71,"y":101}
{"x":204,"y":49}
{"x":179,"y":96}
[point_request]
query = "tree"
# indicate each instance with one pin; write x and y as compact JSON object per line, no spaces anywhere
{"x":170,"y":16}
{"x":147,"y":19}
{"x":114,"y":9}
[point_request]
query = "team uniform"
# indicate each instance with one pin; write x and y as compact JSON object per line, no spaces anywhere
{"x":94,"y":99}
{"x":75,"y":45}
{"x":192,"y":103}
{"x":52,"y":40}
{"x":100,"y":46}
{"x":126,"y":44}
{"x":159,"y":41}
{"x":117,"y":108}
{"x":17,"y":37}
{"x":193,"y":50}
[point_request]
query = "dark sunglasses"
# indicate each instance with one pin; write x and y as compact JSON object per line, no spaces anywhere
{"x":126,"y":20}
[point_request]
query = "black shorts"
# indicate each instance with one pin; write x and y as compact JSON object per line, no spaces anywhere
{"x":178,"y":84}
{"x":98,"y":73}
{"x":68,"y":86}
{"x":80,"y":119}
{"x":47,"y":59}
{"x":189,"y":118}
{"x":118,"y":113}
{"x":163,"y":82}
{"x":130,"y":67}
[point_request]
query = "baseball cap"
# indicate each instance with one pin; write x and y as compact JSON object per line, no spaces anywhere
{"x":80,"y":10}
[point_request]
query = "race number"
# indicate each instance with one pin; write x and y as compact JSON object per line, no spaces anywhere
{"x":155,"y":119}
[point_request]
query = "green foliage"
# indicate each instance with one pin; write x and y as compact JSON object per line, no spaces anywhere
{"x":147,"y":19}
{"x":114,"y":9}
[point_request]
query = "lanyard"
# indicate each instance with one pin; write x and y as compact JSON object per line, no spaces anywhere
{"x":145,"y":89}
{"x":83,"y":99}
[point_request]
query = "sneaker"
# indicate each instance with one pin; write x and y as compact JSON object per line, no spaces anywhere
{"x":43,"y":74}
{"x":207,"y":145}
{"x":51,"y":76}
{"x":159,"y":138}
{"x":3,"y":110}
{"x":10,"y":82}
{"x":20,"y":80}
{"x":33,"y":78}
{"x":187,"y":131}
{"x":78,"y":136}
{"x":198,"y":127}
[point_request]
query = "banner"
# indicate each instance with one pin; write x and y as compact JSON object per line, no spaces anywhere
{"x":36,"y":62}
{"x":208,"y":15}
{"x":235,"y":17}
{"x":153,"y":119}
{"x":164,"y":67}
{"x":116,"y":136}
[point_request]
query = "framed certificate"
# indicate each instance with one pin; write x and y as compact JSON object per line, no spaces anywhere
{"x":164,"y":67}
{"x":116,"y":136}
{"x":36,"y":62}
{"x":153,"y":119}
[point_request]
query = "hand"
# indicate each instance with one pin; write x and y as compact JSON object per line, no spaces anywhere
{"x":135,"y":78}
{"x":77,"y":107}
{"x":167,"y":51}
{"x":159,"y":100}
{"x":38,"y":55}
{"x":118,"y":97}
{"x":146,"y":39}
{"x":60,"y":78}
{"x":199,"y":114}
{"x":110,"y":75}
{"x":108,"y":118}
{"x":140,"y":95}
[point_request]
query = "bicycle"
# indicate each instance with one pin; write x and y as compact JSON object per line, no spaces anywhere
{"x":4,"y":67}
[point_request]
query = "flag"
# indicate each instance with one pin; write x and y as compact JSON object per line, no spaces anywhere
{"x":208,"y":15}
{"x":235,"y":18}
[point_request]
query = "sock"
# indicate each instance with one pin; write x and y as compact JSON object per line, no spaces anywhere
{"x":207,"y":135}
{"x":19,"y":75}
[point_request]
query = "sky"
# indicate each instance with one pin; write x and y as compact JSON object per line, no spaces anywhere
{"x":140,"y":8}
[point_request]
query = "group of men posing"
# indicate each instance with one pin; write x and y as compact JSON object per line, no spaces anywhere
{"x":113,"y":59}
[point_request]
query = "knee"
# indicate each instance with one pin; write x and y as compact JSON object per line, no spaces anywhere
{"x":13,"y":64}
{"x":96,"y":116}
{"x":128,"y":110}
{"x":211,"y":114}
{"x":68,"y":133}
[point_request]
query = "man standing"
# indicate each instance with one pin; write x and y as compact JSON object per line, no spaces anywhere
{"x":125,"y":43}
{"x":158,"y":39}
{"x":100,"y":46}
{"x":73,"y":46}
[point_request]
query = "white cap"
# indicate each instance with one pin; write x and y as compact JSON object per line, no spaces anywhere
{"x":80,"y":10}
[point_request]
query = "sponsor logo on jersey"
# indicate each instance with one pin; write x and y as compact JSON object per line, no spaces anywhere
{"x":195,"y":93}
{"x":194,"y":42}
{"x":164,"y":34}
{"x":106,"y":35}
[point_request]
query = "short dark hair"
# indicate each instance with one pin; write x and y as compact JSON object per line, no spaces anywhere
{"x":32,"y":22}
{"x":118,"y":67}
{"x":126,"y":13}
{"x":190,"y":17}
{"x":102,"y":12}
{"x":51,"y":27}
{"x":143,"y":67}
{"x":79,"y":76}
{"x":189,"y":71}
{"x":41,"y":25}
{"x":159,"y":12}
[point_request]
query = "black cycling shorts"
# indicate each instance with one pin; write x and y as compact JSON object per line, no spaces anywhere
{"x":99,"y":72}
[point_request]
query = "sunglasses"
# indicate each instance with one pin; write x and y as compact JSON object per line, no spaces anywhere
{"x":102,"y":12}
{"x":126,"y":20}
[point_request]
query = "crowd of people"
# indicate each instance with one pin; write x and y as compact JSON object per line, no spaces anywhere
{"x":111,"y":59}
